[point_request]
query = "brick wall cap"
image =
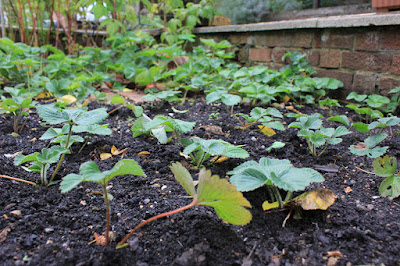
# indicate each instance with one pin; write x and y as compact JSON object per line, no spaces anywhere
{"x":356,"y":20}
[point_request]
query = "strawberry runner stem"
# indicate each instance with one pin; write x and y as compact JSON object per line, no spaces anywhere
{"x":121,"y":244}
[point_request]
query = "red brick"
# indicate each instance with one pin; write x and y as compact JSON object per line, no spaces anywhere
{"x":363,"y":83}
{"x":387,"y":84}
{"x":277,"y":54}
{"x":345,"y":77}
{"x":313,"y":57}
{"x":395,"y":65}
{"x":260,"y":54}
{"x":367,"y":41}
{"x":336,"y":38}
{"x":299,"y":39}
{"x":273,"y":39}
{"x":329,"y":58}
{"x":377,"y":62}
{"x":390,"y":39}
{"x":238,"y":38}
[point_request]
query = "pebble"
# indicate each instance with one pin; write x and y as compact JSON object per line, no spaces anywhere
{"x":146,"y":201}
{"x":16,"y":213}
{"x":48,"y":230}
{"x":253,"y":139}
{"x":9,"y":206}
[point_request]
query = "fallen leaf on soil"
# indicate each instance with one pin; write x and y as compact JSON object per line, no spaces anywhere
{"x":177,"y":61}
{"x":219,"y":159}
{"x":16,"y":213}
{"x":360,"y":146}
{"x":267,"y":206}
{"x":267,"y":131}
{"x":106,"y":86}
{"x":5,"y":231}
{"x":318,"y":199}
{"x":335,"y":253}
{"x":291,"y":108}
{"x":134,"y":96}
{"x":217,"y":130}
{"x":43,"y":95}
{"x":348,"y":190}
{"x":68,"y":99}
{"x":144,"y":153}
{"x":105,"y":156}
{"x":115,"y":151}
{"x":33,"y":139}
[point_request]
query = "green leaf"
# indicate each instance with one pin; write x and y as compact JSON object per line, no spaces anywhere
{"x":390,"y":187}
{"x":184,"y":178}
{"x":20,"y":158}
{"x":275,"y":145}
{"x":385,"y":166}
{"x":341,"y":119}
{"x":374,"y":140}
{"x":160,"y":134}
{"x":51,"y":115}
{"x":356,"y":96}
{"x":69,"y":182}
{"x":95,"y":116}
{"x":229,"y":204}
{"x":377,"y":101}
{"x":125,"y":167}
{"x":361,"y":127}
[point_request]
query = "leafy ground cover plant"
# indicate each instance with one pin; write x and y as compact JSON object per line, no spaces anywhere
{"x":316,"y":135}
{"x":269,"y":117}
{"x":387,"y":167}
{"x":41,"y":161}
{"x":369,"y":146}
{"x":54,"y":115}
{"x":201,"y":149}
{"x":159,"y":126}
{"x":17,"y":107}
{"x":90,"y":172}
{"x":274,"y":174}
{"x":228,"y":203}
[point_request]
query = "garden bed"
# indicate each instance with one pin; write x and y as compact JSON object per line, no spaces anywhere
{"x":41,"y":226}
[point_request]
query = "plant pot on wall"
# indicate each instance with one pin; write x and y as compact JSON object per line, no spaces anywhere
{"x":385,"y":5}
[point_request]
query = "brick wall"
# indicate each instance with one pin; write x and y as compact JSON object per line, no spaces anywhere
{"x":365,"y":59}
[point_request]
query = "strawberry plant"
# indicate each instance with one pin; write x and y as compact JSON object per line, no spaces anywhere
{"x":89,"y":172}
{"x":159,"y":126}
{"x":228,"y":203}
{"x":274,"y":174}
{"x":17,"y":107}
{"x":369,"y":147}
{"x":200,"y":150}
{"x":316,"y":135}
{"x":54,"y":115}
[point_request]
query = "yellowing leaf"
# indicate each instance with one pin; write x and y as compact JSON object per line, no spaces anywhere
{"x":68,"y":99}
{"x":105,"y":156}
{"x":219,"y":159}
{"x":267,"y":206}
{"x":127,"y":90}
{"x":318,"y":199}
{"x":267,"y":131}
{"x":286,"y":98}
{"x":44,"y":95}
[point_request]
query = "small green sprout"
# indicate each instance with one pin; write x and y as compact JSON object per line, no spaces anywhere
{"x":17,"y":107}
{"x":89,"y":172}
{"x":369,"y":147}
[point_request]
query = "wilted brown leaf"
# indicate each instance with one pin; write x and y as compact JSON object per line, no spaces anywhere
{"x":5,"y":231}
{"x":144,"y":153}
{"x":318,"y":199}
{"x":219,"y":159}
{"x":177,"y":61}
{"x":217,"y":130}
{"x":134,"y":96}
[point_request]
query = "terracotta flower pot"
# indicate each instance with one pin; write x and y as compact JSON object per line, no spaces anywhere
{"x":385,"y":5}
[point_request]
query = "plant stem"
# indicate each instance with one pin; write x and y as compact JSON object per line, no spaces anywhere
{"x":108,"y":212}
{"x":63,"y":155}
{"x":288,"y":196}
{"x":120,"y":244}
{"x":277,"y":195}
{"x":326,"y":146}
{"x":18,"y":179}
{"x":43,"y":175}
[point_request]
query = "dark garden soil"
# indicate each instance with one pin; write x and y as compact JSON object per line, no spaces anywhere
{"x":41,"y":226}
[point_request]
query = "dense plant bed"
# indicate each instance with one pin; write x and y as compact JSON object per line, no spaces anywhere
{"x":41,"y":226}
